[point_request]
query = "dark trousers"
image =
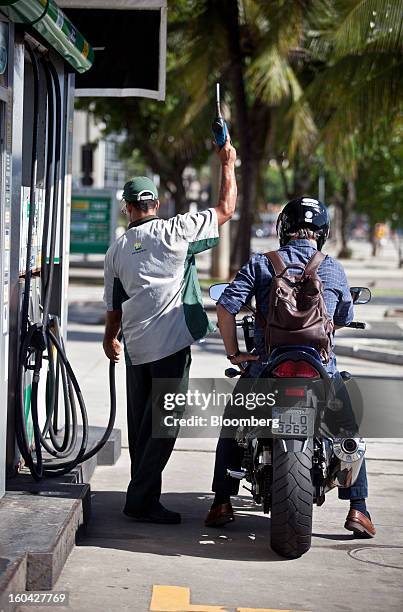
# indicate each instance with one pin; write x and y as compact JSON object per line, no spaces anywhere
{"x":149,"y":455}
{"x":229,"y":454}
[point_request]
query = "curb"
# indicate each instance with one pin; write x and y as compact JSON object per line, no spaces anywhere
{"x":39,"y":531}
{"x":86,"y":280}
{"x":39,"y":521}
{"x":392,"y":357}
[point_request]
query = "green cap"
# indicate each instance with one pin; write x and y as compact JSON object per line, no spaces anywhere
{"x":140,"y":189}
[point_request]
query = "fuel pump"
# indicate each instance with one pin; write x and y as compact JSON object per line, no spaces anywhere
{"x":42,"y":352}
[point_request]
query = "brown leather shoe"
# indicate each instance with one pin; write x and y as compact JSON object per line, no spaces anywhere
{"x":220,"y":515}
{"x":360,"y":524}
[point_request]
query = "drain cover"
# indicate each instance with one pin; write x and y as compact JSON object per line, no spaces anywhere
{"x":386,"y":556}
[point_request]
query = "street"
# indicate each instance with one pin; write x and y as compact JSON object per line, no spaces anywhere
{"x":121,"y":565}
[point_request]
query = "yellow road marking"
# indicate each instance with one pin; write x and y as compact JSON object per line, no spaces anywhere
{"x":177,"y":599}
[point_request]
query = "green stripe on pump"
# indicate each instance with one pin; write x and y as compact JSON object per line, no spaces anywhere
{"x":55,"y":27}
{"x":27,"y":412}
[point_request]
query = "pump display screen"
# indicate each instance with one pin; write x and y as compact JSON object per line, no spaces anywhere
{"x":126,"y":45}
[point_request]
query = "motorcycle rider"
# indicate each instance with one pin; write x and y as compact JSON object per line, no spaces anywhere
{"x":302,"y":227}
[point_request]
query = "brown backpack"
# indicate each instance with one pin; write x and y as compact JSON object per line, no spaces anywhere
{"x":297,"y":311}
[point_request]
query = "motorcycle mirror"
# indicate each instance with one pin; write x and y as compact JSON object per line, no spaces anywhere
{"x":215,"y":291}
{"x":360,"y":295}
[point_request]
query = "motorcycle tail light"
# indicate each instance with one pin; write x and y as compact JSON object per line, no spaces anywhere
{"x":295,"y":369}
{"x":294,"y":392}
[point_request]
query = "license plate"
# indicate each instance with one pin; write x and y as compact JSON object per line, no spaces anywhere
{"x":293,"y":422}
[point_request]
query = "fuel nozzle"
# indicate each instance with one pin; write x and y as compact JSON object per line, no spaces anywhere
{"x":219,"y":127}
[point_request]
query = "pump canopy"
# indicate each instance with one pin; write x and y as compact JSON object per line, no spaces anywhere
{"x":129,"y":41}
{"x":53,"y":25}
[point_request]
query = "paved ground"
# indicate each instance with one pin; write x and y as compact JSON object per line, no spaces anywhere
{"x":117,"y":564}
{"x":120,"y":565}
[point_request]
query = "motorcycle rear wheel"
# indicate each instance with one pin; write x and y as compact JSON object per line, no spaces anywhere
{"x":292,"y":498}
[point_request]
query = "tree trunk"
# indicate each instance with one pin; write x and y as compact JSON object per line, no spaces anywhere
{"x":372,"y":238}
{"x":230,"y":15}
{"x":302,"y":184}
{"x":179,"y":196}
{"x":284,"y":179}
{"x":346,"y":205}
{"x":252,"y":128}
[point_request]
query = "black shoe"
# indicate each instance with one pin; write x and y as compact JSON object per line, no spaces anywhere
{"x":157,"y":514}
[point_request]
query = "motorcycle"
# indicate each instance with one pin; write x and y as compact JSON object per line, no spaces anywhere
{"x":300,"y":461}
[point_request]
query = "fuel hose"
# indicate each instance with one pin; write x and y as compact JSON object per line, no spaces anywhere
{"x":41,"y":344}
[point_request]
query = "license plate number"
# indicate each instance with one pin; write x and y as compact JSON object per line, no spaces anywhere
{"x":293,"y":422}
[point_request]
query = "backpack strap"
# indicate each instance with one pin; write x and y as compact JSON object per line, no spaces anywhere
{"x":314,"y":263}
{"x":276,"y":261}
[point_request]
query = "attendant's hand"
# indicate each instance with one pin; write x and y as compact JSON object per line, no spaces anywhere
{"x":227,"y":153}
{"x":112,"y":349}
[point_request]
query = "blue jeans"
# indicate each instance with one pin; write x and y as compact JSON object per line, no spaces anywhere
{"x":360,"y":488}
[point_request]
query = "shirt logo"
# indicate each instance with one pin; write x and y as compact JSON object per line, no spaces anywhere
{"x":138,"y":248}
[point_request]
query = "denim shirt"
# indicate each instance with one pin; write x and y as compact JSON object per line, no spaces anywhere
{"x":254,"y":280}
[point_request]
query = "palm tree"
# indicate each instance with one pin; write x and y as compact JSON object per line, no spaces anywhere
{"x":254,"y":48}
{"x":356,"y":95}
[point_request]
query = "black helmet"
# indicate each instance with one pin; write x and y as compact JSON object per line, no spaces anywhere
{"x":303,"y":212}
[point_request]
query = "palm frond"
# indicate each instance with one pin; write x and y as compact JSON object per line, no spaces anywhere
{"x":356,"y":106}
{"x":198,"y":63}
{"x":269,"y":76}
{"x":370,"y":85}
{"x":369,"y":25}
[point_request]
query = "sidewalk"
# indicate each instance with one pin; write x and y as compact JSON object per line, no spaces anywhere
{"x":117,"y":562}
{"x":120,"y":566}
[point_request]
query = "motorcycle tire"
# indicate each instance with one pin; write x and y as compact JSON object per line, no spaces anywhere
{"x":292,"y":497}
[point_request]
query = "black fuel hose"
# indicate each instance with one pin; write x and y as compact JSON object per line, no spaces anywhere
{"x":41,"y":342}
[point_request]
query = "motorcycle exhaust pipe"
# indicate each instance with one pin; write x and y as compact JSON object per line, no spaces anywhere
{"x":348,"y":455}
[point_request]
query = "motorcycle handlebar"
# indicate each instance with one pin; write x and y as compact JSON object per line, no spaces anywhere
{"x":353,"y":324}
{"x":357,"y":325}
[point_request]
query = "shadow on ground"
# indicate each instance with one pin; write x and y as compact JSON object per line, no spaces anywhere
{"x":246,"y":539}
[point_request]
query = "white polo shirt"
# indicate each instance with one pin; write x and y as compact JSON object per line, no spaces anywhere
{"x":150,"y":274}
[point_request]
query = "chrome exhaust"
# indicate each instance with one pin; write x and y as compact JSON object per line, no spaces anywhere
{"x":346,"y":462}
